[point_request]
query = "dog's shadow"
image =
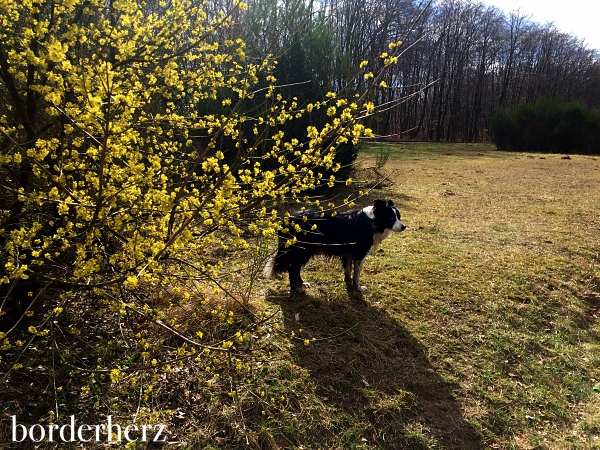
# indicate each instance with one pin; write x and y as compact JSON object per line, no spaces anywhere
{"x":366,"y":364}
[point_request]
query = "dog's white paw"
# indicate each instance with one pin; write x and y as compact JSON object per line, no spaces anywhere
{"x":305,"y":285}
{"x":360,"y":289}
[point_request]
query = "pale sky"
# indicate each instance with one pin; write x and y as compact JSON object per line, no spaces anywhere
{"x":577,"y":17}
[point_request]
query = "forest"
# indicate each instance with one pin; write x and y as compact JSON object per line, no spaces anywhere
{"x":461,"y":61}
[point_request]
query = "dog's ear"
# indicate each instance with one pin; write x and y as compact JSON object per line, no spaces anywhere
{"x":379,"y":204}
{"x":390,"y":203}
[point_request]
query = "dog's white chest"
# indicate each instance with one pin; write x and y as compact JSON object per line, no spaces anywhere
{"x":379,"y":237}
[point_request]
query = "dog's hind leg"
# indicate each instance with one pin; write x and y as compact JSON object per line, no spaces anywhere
{"x":296,"y":282}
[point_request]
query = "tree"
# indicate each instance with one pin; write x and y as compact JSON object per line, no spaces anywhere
{"x":144,"y":157}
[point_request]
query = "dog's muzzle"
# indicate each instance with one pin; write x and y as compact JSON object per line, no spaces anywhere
{"x":399,"y":226}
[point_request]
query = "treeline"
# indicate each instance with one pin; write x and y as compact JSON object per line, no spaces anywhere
{"x":463,"y":60}
{"x":548,"y":125}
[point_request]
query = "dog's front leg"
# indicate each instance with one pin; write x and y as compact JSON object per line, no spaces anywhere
{"x":357,"y":269}
{"x":347,"y":262}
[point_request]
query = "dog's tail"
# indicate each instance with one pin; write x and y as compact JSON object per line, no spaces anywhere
{"x":269,"y":270}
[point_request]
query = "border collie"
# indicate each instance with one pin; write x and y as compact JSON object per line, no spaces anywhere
{"x":349,"y":235}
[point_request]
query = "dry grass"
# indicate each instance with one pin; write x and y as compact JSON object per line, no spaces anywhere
{"x":479,"y":326}
{"x":478,"y":330}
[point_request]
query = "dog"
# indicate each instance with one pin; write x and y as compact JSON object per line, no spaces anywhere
{"x":349,"y":235}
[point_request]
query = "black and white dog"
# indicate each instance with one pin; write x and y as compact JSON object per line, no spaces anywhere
{"x":349,"y":235}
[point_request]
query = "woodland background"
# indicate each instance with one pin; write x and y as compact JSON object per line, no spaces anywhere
{"x":479,"y":59}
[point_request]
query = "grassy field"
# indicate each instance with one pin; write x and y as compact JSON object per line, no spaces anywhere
{"x":479,"y":326}
{"x":478,"y":329}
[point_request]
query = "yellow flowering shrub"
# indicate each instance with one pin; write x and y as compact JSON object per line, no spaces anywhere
{"x":110,"y":161}
{"x":142,"y":162}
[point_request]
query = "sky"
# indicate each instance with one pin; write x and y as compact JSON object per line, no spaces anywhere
{"x":577,"y":17}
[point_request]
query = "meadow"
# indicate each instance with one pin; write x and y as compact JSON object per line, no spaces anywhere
{"x":479,"y":325}
{"x":478,"y":329}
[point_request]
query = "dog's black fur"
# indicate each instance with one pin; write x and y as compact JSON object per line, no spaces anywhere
{"x":349,"y":235}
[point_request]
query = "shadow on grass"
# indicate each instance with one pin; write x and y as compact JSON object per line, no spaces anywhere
{"x":374,"y":376}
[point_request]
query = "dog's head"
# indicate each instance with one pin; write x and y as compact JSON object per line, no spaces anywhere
{"x":386,"y":216}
